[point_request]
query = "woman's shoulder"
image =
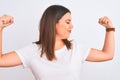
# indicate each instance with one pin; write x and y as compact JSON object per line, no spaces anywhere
{"x":75,"y":41}
{"x":31,"y":47}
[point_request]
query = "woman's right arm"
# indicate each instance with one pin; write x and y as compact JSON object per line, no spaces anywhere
{"x":11,"y":58}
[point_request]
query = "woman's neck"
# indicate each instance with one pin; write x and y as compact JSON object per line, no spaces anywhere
{"x":59,"y":44}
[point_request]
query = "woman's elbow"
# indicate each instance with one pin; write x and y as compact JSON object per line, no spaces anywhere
{"x":110,"y":56}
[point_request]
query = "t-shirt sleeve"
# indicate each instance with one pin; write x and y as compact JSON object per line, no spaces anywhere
{"x":85,"y":52}
{"x":80,"y":51}
{"x":26,"y":53}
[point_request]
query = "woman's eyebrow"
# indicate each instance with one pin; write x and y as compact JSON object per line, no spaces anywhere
{"x":68,"y":20}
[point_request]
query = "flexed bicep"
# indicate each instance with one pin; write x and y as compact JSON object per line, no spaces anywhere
{"x":96,"y":55}
{"x":10,"y":59}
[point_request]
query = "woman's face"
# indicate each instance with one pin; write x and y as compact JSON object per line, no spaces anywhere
{"x":64,"y":27}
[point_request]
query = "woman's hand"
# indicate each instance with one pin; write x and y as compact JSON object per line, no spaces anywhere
{"x":5,"y":21}
{"x":106,"y":22}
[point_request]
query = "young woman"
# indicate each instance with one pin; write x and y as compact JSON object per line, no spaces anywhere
{"x":53,"y":56}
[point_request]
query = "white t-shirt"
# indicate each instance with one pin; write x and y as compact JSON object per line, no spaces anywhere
{"x":67,"y":66}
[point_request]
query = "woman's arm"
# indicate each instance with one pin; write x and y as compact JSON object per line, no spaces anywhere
{"x":108,"y":50}
{"x":11,"y":58}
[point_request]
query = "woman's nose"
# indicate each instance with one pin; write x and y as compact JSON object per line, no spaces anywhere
{"x":71,"y":26}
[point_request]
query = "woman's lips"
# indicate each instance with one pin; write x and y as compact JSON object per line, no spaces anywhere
{"x":69,"y":31}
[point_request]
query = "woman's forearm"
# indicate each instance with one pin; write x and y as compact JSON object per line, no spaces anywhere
{"x":109,"y":43}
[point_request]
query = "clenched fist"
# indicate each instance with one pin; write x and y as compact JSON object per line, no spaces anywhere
{"x":5,"y":21}
{"x":106,"y":22}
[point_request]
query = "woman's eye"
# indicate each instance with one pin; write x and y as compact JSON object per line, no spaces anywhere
{"x":68,"y":22}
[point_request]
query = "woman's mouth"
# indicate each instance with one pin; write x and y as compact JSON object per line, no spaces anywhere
{"x":69,"y":31}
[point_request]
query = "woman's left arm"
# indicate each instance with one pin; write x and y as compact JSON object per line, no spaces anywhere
{"x":108,"y":50}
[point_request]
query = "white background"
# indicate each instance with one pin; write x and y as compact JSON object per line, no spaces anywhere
{"x":85,"y":14}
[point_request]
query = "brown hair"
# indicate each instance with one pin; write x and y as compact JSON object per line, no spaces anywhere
{"x":47,"y":30}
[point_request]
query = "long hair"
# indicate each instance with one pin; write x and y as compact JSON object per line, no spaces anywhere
{"x":47,"y":30}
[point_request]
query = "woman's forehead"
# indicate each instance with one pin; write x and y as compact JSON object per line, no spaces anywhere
{"x":66,"y":17}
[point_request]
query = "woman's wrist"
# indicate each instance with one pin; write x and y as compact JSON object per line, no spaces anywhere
{"x":110,"y":29}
